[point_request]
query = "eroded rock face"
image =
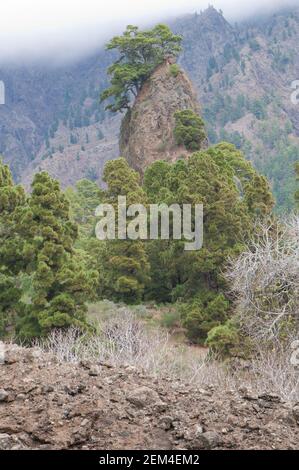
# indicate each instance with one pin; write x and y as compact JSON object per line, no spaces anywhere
{"x":147,"y":131}
{"x":54,"y":405}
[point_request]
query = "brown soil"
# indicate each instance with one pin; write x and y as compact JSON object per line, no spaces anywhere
{"x":45,"y":404}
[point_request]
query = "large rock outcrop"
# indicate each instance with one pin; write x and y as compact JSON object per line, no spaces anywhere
{"x":147,"y":131}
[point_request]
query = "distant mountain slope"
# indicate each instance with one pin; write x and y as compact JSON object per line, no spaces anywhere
{"x":41,"y":100}
{"x":243,"y":75}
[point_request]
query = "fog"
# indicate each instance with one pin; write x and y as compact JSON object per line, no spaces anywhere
{"x":63,"y":30}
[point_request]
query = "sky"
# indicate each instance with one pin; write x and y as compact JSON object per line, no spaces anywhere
{"x":67,"y":29}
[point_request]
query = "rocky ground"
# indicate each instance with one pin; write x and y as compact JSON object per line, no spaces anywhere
{"x":45,"y":404}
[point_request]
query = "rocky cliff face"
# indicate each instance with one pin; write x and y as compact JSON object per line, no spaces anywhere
{"x":147,"y":131}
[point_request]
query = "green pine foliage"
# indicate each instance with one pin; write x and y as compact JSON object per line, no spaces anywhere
{"x":207,"y":311}
{"x":37,"y":248}
{"x":61,"y":268}
{"x":139,"y":53}
{"x":273,"y":154}
{"x":83,"y":199}
{"x":126,"y":262}
{"x":233,"y":195}
{"x":174,"y":70}
{"x":60,"y":280}
{"x":225,"y":340}
{"x":189,"y":129}
{"x":12,"y":200}
{"x":51,"y":262}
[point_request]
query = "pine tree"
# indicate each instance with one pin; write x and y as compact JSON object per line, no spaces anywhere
{"x":83,"y":200}
{"x":12,"y":200}
{"x":60,"y":282}
{"x":139,"y":54}
{"x":127,"y":264}
{"x":189,"y":129}
{"x":233,"y":194}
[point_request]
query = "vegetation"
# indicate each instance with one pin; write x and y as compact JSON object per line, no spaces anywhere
{"x":274,"y":151}
{"x":12,"y":199}
{"x":189,"y":129}
{"x":174,"y":70}
{"x":83,"y":201}
{"x":225,"y":340}
{"x":139,"y":54}
{"x":265,"y":279}
{"x":254,"y":45}
{"x":37,"y":245}
{"x":52,"y":264}
{"x":130,"y":271}
{"x":126,"y":264}
{"x":49,"y":268}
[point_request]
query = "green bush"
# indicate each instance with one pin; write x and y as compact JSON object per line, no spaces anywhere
{"x":204,"y":313}
{"x":189,"y":129}
{"x":224,"y":339}
{"x":174,"y":70}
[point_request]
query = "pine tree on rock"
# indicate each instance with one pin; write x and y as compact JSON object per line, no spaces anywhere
{"x":139,"y":54}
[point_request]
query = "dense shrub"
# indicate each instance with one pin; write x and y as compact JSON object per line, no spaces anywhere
{"x":189,"y":129}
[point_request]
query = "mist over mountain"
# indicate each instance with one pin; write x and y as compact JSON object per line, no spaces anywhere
{"x":55,"y":32}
